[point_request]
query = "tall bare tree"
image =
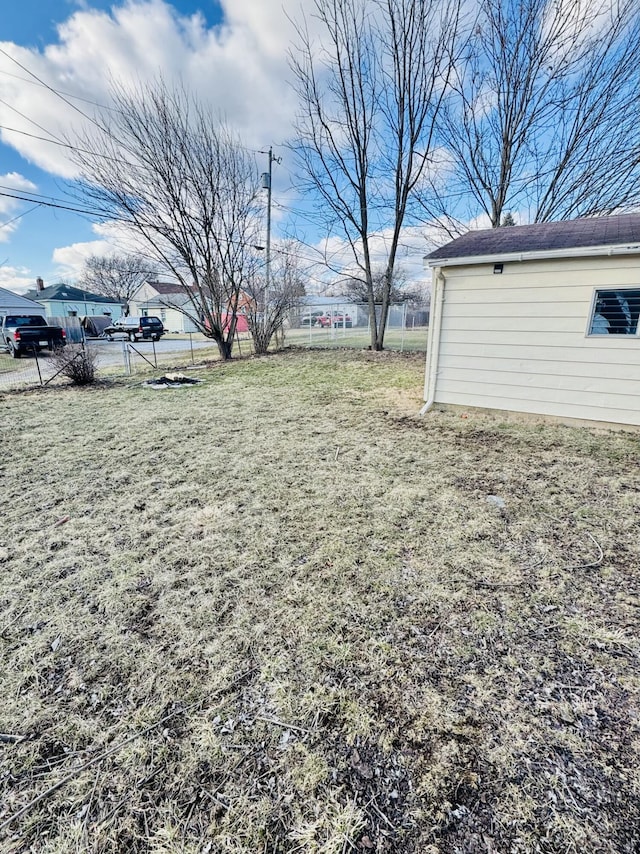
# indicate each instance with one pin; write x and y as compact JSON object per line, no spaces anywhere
{"x":174,"y":176}
{"x":370,"y":95}
{"x":542,"y":115}
{"x":269,"y":303}
{"x":116,"y":276}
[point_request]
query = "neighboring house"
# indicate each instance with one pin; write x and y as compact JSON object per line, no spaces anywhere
{"x":163,"y":300}
{"x":11,"y":303}
{"x":539,"y":318}
{"x":67,"y":301}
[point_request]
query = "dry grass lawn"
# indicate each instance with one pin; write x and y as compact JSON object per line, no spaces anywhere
{"x":277,"y":612}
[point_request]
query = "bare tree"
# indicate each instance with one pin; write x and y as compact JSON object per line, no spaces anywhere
{"x":542,"y":113}
{"x":116,"y":276}
{"x":179,"y":181}
{"x":269,"y":305}
{"x":370,"y":96}
{"x":400,"y":290}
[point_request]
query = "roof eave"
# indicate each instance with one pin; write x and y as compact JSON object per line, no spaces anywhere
{"x":536,"y":255}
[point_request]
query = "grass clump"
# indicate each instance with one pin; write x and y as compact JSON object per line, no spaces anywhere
{"x":288,"y":607}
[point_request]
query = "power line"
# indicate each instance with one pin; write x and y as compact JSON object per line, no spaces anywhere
{"x":19,"y":216}
{"x":58,"y":91}
{"x":51,"y":89}
{"x":62,"y":207}
{"x":55,"y":140}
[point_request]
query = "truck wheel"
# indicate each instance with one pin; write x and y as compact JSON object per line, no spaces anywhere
{"x":132,"y":337}
{"x":13,"y":352}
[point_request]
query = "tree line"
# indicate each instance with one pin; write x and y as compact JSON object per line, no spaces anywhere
{"x":410,"y":112}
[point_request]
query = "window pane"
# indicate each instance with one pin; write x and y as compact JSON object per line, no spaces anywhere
{"x":615,"y":312}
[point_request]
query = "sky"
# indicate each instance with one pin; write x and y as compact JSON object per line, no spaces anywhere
{"x":57,"y":61}
{"x":57,"y":64}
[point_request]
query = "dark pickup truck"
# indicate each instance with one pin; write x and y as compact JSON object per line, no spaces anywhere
{"x":29,"y":333}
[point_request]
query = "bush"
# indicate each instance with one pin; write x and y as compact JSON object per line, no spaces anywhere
{"x":77,"y":362}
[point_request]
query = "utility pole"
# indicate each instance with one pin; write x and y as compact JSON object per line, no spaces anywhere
{"x":266,"y":183}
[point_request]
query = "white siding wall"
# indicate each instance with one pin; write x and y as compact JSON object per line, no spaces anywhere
{"x":517,"y":341}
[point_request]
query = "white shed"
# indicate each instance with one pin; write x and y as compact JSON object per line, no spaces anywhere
{"x":11,"y":303}
{"x":539,"y":318}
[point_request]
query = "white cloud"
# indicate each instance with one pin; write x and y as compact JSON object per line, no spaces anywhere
{"x":70,"y":260}
{"x":11,"y":209}
{"x":16,"y":279}
{"x":111,"y":238}
{"x":240,"y":68}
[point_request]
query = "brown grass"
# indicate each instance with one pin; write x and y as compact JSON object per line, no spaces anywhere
{"x":276,"y":612}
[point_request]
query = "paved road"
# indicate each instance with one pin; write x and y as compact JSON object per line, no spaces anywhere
{"x":110,"y":352}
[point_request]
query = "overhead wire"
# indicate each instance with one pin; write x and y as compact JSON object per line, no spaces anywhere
{"x":19,"y":216}
{"x":50,"y":88}
{"x":58,"y":91}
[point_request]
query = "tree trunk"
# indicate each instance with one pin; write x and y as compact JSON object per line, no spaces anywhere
{"x":224,"y":348}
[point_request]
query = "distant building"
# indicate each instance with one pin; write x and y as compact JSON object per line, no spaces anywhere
{"x":67,"y":301}
{"x":11,"y":303}
{"x":163,"y":300}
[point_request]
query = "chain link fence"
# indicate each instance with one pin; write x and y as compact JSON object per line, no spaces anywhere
{"x":340,"y":326}
{"x":113,"y":358}
{"x":347,"y":325}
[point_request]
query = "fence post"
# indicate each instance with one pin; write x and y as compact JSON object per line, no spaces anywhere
{"x":126,"y":355}
{"x":191,"y":346}
{"x":35,"y":353}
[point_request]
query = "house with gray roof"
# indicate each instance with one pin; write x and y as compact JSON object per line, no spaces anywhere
{"x":64,"y":300}
{"x":539,"y":318}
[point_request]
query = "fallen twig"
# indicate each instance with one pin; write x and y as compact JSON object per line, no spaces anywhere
{"x":284,"y":725}
{"x":85,"y":823}
{"x":374,"y":804}
{"x":594,"y":563}
{"x":9,"y":738}
{"x":11,"y":622}
{"x":106,"y":753}
{"x":214,"y":799}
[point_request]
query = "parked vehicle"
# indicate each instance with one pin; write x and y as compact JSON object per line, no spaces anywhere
{"x":29,"y":333}
{"x":136,"y":328}
{"x":310,"y":319}
{"x":339,"y":320}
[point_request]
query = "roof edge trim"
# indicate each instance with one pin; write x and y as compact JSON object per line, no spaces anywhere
{"x":538,"y":255}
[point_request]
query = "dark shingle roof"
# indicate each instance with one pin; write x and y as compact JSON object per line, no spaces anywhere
{"x":167,"y":287}
{"x":66,"y":293}
{"x":544,"y":236}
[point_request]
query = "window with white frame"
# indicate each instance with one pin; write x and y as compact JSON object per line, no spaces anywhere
{"x":615,"y":311}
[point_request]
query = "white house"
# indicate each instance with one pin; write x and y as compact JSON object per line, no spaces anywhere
{"x":539,"y":318}
{"x":11,"y":303}
{"x":163,"y":300}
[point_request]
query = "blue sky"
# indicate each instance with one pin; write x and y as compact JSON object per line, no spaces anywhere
{"x":47,"y":241}
{"x":231,"y":53}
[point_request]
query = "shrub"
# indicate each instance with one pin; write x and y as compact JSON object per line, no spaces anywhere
{"x":77,"y":362}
